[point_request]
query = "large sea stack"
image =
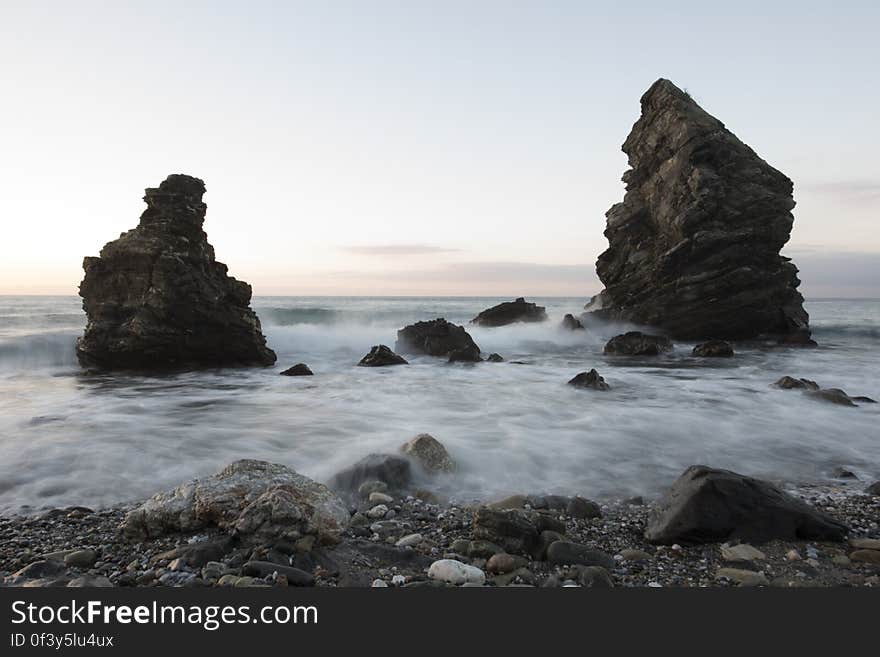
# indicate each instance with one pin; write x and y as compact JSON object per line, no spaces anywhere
{"x":694,"y":246}
{"x":156,"y":298}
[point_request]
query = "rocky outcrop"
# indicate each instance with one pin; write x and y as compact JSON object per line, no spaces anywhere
{"x":572,"y":323}
{"x":694,"y":246}
{"x":636,"y":343}
{"x":591,"y":379}
{"x":156,"y":297}
{"x":437,"y":338}
{"x":300,"y":369}
{"x":428,"y":452}
{"x":714,"y":349}
{"x":511,"y":312}
{"x":381,"y":356}
{"x":706,"y":505}
{"x":253,"y":499}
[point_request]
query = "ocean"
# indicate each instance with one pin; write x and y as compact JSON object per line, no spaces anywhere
{"x":68,"y":437}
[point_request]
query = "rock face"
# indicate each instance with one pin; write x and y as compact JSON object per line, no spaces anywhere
{"x":694,"y":246}
{"x":156,"y":297}
{"x":572,"y":323}
{"x":437,"y":338}
{"x":511,"y":312}
{"x":252,"y":498}
{"x":635,"y":343}
{"x":591,"y":379}
{"x":381,"y":356}
{"x":707,"y":505}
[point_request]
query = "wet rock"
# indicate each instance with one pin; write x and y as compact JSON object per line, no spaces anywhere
{"x":300,"y":369}
{"x":455,"y":572}
{"x":221,"y":500}
{"x":636,"y":343}
{"x":709,"y":505}
{"x":714,"y":349}
{"x":435,"y":338}
{"x":381,"y":356}
{"x":694,"y":247}
{"x":470,"y":354}
{"x":843,"y":473}
{"x":394,"y":471}
{"x":156,"y":298}
{"x":81,"y":559}
{"x":591,"y":379}
{"x":495,"y":358}
{"x":832,"y":395}
{"x":567,"y":553}
{"x":511,"y":312}
{"x":572,"y":323}
{"x":791,"y":383}
{"x":513,"y":530}
{"x":429,"y":453}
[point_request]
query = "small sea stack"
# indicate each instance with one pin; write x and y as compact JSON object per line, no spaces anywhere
{"x":437,"y":337}
{"x":511,"y":312}
{"x":572,"y":323}
{"x":300,"y":369}
{"x":381,"y":356}
{"x":157,"y":299}
{"x":693,"y":249}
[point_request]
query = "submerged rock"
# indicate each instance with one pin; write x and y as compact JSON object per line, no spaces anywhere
{"x":469,"y":354}
{"x":429,"y":453}
{"x":873,"y":489}
{"x":572,"y":323}
{"x":381,"y":356}
{"x":714,"y":349}
{"x":511,"y":312}
{"x":591,"y":379}
{"x":694,"y":246}
{"x":636,"y":343}
{"x":707,"y":505}
{"x":156,"y":298}
{"x":251,"y":497}
{"x":812,"y":389}
{"x":436,"y":338}
{"x":791,"y":383}
{"x":300,"y":369}
{"x":394,"y":471}
{"x":495,"y":358}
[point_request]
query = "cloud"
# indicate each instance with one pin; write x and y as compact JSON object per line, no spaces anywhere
{"x":397,"y":250}
{"x":838,"y":273}
{"x":854,"y":191}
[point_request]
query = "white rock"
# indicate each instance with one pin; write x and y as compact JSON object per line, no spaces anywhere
{"x":409,"y":540}
{"x":792,"y":555}
{"x":377,"y":511}
{"x":380,"y":498}
{"x":455,"y":572}
{"x":379,"y":584}
{"x":398,"y":580}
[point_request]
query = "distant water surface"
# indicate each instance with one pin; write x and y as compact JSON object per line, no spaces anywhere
{"x":71,"y":438}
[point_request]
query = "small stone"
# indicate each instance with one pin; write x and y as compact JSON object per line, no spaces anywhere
{"x":505,"y":563}
{"x":377,"y":512}
{"x":379,"y":498}
{"x":410,"y":540}
{"x":792,"y":555}
{"x":634,"y":555}
{"x":398,"y":580}
{"x":81,"y":559}
{"x":744,"y":578}
{"x":379,"y":584}
{"x":866,"y":556}
{"x":455,"y":572}
{"x":741,"y":552}
{"x":227,"y":580}
{"x":177,"y":564}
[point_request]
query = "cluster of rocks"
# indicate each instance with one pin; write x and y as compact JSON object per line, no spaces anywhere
{"x":253,"y":524}
{"x":694,"y":248}
{"x":813,"y":390}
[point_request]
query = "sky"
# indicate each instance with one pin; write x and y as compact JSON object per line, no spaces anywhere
{"x":417,"y":148}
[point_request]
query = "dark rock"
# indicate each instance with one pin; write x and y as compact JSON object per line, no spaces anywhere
{"x":595,"y":577}
{"x":694,"y":246}
{"x":565,"y":553}
{"x":513,"y":530}
{"x":636,"y":343}
{"x":395,"y":471}
{"x":873,"y":489}
{"x":295,"y":576}
{"x":572,"y":323}
{"x":495,"y":358}
{"x":555,"y":502}
{"x":714,"y":349}
{"x":380,"y":356}
{"x":843,"y":473}
{"x":545,"y":540}
{"x":832,"y":395}
{"x":469,"y":354}
{"x":511,"y":312}
{"x":590,"y":379}
{"x":435,"y":338}
{"x":300,"y":369}
{"x":429,"y":453}
{"x":157,"y":299}
{"x":708,"y":505}
{"x":864,"y":400}
{"x":791,"y":383}
{"x":81,"y":559}
{"x":583,"y":509}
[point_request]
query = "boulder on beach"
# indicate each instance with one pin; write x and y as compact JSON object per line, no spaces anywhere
{"x":300,"y":369}
{"x":157,"y":299}
{"x":392,"y":470}
{"x":873,"y":489}
{"x":713,"y":349}
{"x":511,"y":312}
{"x":636,"y":343}
{"x":381,"y":356}
{"x":572,"y":323}
{"x":436,"y":337}
{"x":707,"y":505}
{"x":591,"y":379}
{"x":248,"y":497}
{"x":694,"y":248}
{"x":428,"y":452}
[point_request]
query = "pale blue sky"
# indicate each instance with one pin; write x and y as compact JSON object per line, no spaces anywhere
{"x":417,"y":147}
